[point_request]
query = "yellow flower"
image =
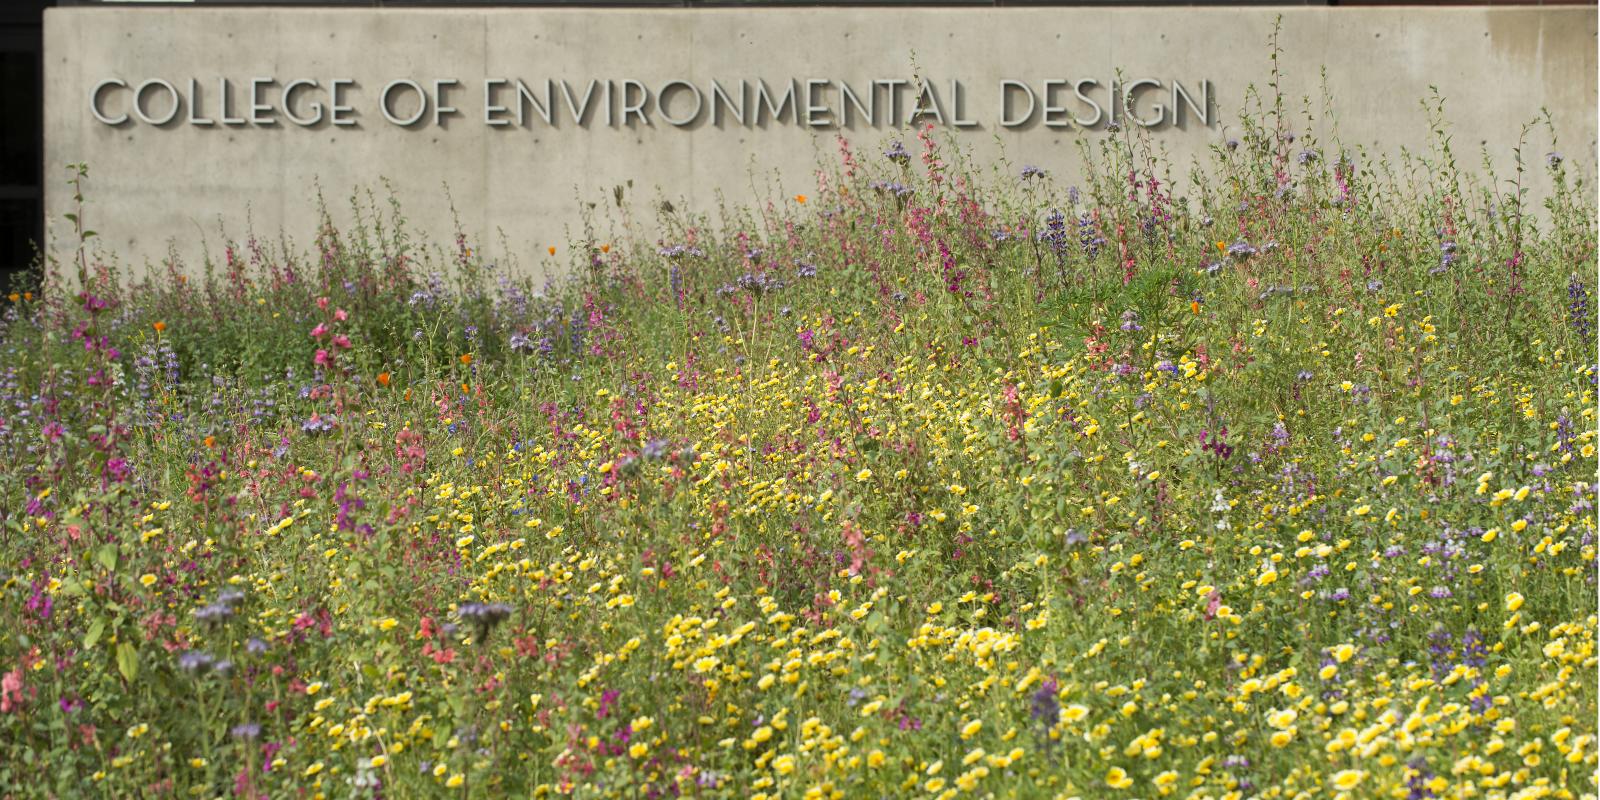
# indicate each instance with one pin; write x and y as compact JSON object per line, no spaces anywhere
{"x":379,"y":760}
{"x":313,"y":687}
{"x":456,"y":780}
{"x":863,"y":475}
{"x":639,"y":750}
{"x":147,"y":579}
{"x":971,"y":729}
{"x":783,"y":765}
{"x":313,"y":769}
{"x":1117,"y":778}
{"x":1345,"y":780}
{"x":1513,"y":601}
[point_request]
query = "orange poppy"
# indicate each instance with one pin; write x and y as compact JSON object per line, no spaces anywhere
{"x":605,"y":248}
{"x":159,"y":326}
{"x":211,"y":441}
{"x":552,"y":249}
{"x":466,"y":358}
{"x":383,"y":379}
{"x":800,"y":198}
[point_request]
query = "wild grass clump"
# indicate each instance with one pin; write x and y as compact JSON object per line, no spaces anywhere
{"x":939,"y":481}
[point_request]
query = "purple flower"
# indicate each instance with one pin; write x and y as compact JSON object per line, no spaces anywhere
{"x":1241,"y":250}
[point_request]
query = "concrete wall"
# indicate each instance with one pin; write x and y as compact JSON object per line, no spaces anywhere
{"x":150,"y":185}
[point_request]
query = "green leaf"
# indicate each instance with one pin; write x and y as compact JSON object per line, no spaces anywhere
{"x":107,"y":556}
{"x":128,"y":661}
{"x":96,"y":629}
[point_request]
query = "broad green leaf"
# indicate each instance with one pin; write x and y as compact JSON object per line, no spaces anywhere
{"x":128,"y":661}
{"x":96,"y":629}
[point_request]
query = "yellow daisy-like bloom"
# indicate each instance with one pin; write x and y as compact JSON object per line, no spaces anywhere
{"x":1514,"y":601}
{"x":147,"y":579}
{"x":1117,"y":778}
{"x":1345,"y":780}
{"x":456,"y":780}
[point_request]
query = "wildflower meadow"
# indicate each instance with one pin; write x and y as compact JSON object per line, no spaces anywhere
{"x":945,"y":479}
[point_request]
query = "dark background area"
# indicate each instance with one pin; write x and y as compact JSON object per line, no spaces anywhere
{"x":22,"y":168}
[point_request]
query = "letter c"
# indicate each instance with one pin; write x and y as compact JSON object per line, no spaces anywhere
{"x":94,"y":102}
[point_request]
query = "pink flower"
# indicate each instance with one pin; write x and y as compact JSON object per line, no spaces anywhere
{"x":322,"y":303}
{"x":323,"y":359}
{"x":320,"y":331}
{"x":11,"y":691}
{"x":340,"y":314}
{"x":341,"y":340}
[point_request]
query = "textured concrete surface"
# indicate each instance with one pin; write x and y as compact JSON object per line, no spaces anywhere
{"x":521,"y":187}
